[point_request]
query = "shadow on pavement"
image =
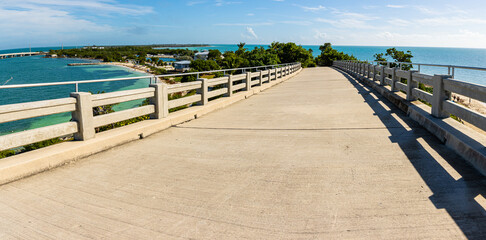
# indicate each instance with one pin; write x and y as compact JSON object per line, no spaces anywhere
{"x":458,"y":195}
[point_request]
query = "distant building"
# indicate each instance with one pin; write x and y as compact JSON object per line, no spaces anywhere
{"x":93,"y":47}
{"x":201,"y":55}
{"x":182,"y":66}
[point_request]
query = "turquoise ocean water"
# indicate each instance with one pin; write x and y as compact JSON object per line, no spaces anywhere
{"x":36,"y":69}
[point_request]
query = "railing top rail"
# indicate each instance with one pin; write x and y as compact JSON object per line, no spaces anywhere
{"x":430,"y":65}
{"x":134,"y":78}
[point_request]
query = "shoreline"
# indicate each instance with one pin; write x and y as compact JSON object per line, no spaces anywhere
{"x":129,"y":66}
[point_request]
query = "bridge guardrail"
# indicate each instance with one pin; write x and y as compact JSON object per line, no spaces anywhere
{"x":440,"y":99}
{"x":81,"y":104}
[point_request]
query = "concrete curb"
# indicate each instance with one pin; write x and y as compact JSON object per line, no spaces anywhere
{"x":463,"y":140}
{"x":30,"y":163}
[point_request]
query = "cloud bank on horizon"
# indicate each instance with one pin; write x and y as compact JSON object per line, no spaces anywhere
{"x":433,"y":23}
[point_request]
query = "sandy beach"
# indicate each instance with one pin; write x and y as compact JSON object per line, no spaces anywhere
{"x":131,"y":66}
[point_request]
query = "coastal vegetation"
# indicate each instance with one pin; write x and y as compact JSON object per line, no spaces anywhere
{"x":120,"y":54}
{"x":397,"y":56}
{"x":329,"y":55}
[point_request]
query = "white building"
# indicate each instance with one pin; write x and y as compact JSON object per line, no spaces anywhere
{"x":182,"y":66}
{"x":202,"y":55}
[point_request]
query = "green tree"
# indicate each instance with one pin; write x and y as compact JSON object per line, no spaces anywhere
{"x":155,"y":60}
{"x":214,"y":54}
{"x":291,"y":52}
{"x":203,"y":65}
{"x":329,"y":55}
{"x":397,"y":56}
{"x":241,"y":48}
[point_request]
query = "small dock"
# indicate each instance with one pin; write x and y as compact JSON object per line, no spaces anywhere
{"x":83,"y":64}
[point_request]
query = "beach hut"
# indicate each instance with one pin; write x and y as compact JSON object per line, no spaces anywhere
{"x":182,"y":66}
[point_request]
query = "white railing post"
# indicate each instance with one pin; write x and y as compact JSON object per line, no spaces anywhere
{"x":83,"y":116}
{"x":160,"y":101}
{"x":269,"y":75}
{"x":203,"y":90}
{"x":369,"y":70}
{"x":393,"y":79}
{"x":229,"y":85}
{"x":439,"y":96}
{"x":410,"y":86}
{"x":374,"y":72}
{"x":260,"y":83}
{"x":382,"y":75}
{"x":248,"y":81}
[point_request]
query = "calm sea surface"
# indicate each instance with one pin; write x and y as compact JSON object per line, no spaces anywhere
{"x":36,"y":69}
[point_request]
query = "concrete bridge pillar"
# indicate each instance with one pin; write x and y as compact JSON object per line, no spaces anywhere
{"x":203,"y":91}
{"x":260,"y":83}
{"x":410,"y":86}
{"x":369,"y":70}
{"x":439,"y":96}
{"x":83,"y":116}
{"x":160,"y":101}
{"x":382,"y":75}
{"x":374,"y":72}
{"x":229,"y":85}
{"x":248,"y":81}
{"x":394,"y":79}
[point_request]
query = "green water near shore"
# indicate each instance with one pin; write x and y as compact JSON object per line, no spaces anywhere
{"x":36,"y":69}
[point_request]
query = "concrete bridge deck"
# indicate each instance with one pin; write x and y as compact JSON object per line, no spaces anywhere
{"x":319,"y":156}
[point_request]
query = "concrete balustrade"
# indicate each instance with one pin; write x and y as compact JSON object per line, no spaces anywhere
{"x":443,"y":86}
{"x":465,"y":141}
{"x":81,"y":105}
{"x":203,"y":91}
{"x":160,"y":100}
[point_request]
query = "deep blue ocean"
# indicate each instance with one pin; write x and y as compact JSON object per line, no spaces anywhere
{"x":36,"y":69}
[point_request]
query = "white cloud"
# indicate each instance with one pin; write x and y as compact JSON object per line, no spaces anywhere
{"x":252,"y":33}
{"x":312,"y":9}
{"x":395,"y":6}
{"x":55,"y":21}
{"x":245,"y":24}
{"x":192,"y":3}
{"x":320,"y":36}
{"x":451,"y":21}
{"x":220,"y":3}
{"x":349,"y":20}
{"x":460,"y":39}
{"x":399,"y":22}
{"x":97,"y":6}
{"x":301,"y":23}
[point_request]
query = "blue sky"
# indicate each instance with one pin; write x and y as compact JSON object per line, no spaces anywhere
{"x":437,"y":23}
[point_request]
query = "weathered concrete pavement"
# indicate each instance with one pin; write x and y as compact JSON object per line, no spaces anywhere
{"x":316,"y":157}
